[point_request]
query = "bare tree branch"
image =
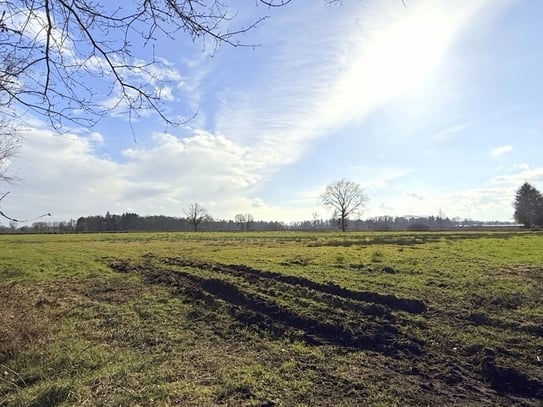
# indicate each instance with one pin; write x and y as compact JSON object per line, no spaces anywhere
{"x":49,"y":49}
{"x":277,"y":3}
{"x":20,"y":220}
{"x":9,"y":147}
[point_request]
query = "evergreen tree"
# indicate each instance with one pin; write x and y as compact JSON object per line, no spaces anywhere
{"x":528,"y":206}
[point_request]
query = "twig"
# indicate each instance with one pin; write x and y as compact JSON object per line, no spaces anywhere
{"x":20,"y":220}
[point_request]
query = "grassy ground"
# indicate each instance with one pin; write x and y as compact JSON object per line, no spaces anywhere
{"x":272,"y":319}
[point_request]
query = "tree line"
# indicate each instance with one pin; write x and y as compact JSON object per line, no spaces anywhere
{"x":128,"y":222}
{"x":132,"y":222}
{"x":343,"y":197}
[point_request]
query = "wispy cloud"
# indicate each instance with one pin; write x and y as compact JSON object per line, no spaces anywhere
{"x":492,"y":202}
{"x":501,"y":150}
{"x":378,"y":177}
{"x":323,"y":76}
{"x":517,"y":178}
{"x":450,"y":131}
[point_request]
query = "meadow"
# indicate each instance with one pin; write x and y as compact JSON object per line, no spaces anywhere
{"x":272,"y":319}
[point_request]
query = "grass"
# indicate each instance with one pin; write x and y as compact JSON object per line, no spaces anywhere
{"x":278,"y":318}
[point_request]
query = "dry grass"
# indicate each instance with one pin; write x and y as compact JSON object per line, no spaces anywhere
{"x":22,"y":327}
{"x":21,"y":323}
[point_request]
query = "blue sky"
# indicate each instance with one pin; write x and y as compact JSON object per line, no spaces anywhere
{"x":433,"y":106}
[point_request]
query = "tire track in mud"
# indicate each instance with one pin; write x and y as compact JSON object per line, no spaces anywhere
{"x":351,"y":325}
{"x":409,"y":305}
{"x":256,"y":298}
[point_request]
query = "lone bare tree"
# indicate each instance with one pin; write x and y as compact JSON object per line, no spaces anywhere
{"x":196,"y":214}
{"x":345,"y":198}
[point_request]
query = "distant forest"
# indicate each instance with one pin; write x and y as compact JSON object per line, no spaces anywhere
{"x":132,"y":222}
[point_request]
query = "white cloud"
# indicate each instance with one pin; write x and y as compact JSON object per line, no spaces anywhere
{"x":501,"y":150}
{"x":526,"y":174}
{"x":382,"y":178}
{"x":419,"y":197}
{"x":71,"y":181}
{"x":321,"y":77}
{"x":479,"y":203}
{"x":64,"y":176}
{"x":61,"y":175}
{"x":484,"y":203}
{"x":490,"y":201}
{"x":96,"y":137}
{"x":160,"y":79}
{"x":210,"y":162}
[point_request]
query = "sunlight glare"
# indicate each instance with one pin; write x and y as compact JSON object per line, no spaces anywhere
{"x":398,"y":56}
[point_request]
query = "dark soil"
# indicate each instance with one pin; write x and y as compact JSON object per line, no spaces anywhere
{"x":351,"y":324}
{"x":284,"y":306}
{"x":390,"y":301}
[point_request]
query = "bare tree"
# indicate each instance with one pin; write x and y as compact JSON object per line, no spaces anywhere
{"x":10,"y":142}
{"x":244,"y":221}
{"x":196,"y":214}
{"x":345,"y":198}
{"x":316,"y":219}
{"x":240,"y":219}
{"x":9,"y":147}
{"x":249,"y":220}
{"x":49,"y":49}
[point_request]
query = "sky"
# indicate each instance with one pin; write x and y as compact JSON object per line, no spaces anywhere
{"x":432,"y":107}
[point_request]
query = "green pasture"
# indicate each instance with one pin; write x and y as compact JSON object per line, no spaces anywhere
{"x":160,"y":319}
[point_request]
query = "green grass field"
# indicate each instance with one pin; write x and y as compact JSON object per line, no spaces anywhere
{"x":272,"y":319}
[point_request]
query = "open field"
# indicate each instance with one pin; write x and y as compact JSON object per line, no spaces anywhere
{"x":272,"y":319}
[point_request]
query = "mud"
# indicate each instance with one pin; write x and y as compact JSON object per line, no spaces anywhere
{"x":402,"y":304}
{"x":326,"y":314}
{"x":349,"y":324}
{"x":508,"y":380}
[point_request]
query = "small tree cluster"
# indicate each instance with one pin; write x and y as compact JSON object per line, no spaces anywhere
{"x":244,"y":221}
{"x":528,"y":206}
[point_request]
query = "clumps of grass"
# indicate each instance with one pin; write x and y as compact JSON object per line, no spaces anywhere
{"x":297,"y":261}
{"x":509,"y":300}
{"x":51,"y":396}
{"x":21,"y":327}
{"x":377,"y":256}
{"x":20,"y":324}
